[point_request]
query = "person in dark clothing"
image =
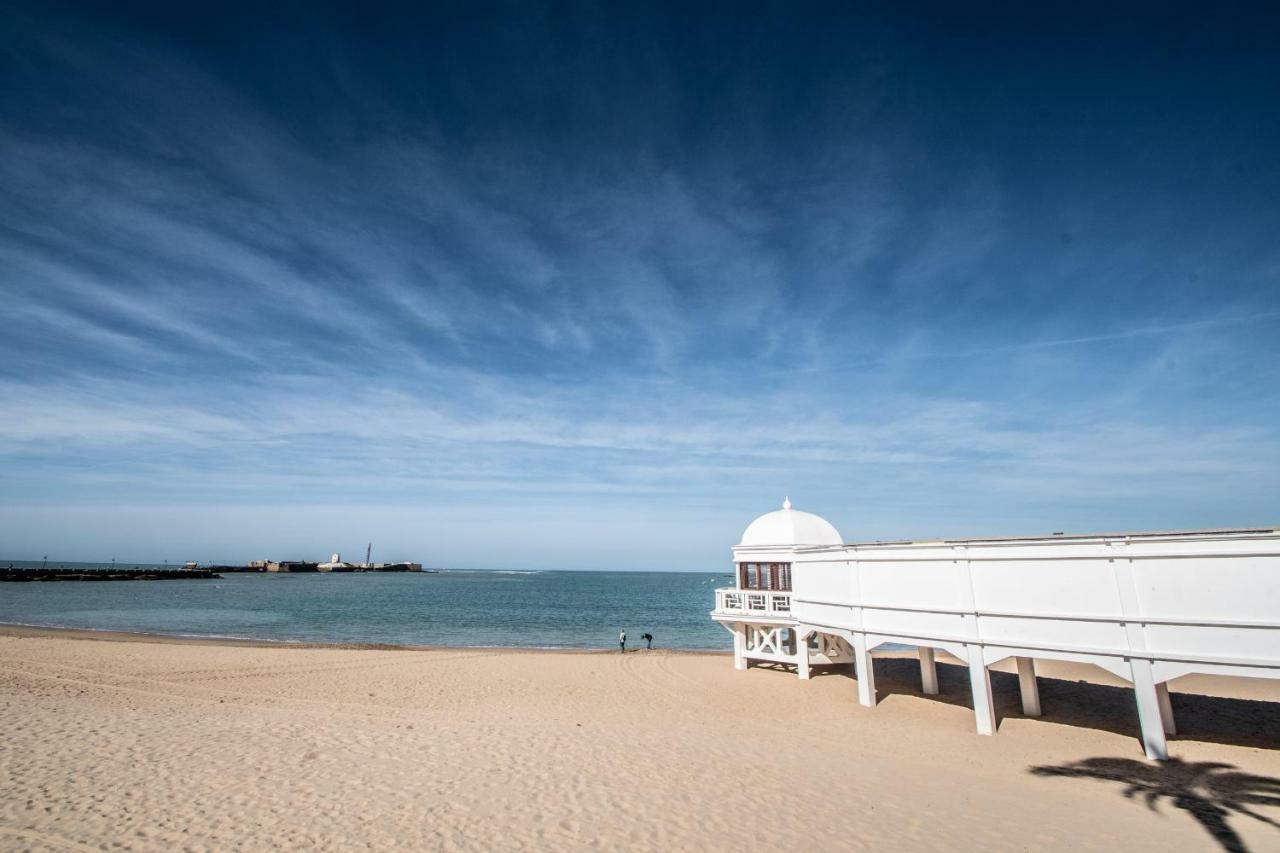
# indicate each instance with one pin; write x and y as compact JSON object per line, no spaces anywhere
{"x":622,"y":641}
{"x":648,"y":638}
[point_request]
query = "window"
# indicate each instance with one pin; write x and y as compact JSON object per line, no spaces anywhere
{"x":765,"y":576}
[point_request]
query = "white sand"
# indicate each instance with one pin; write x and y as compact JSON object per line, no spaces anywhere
{"x":162,"y":745}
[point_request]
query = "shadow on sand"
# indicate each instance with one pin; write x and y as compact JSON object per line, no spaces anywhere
{"x":1210,"y":792}
{"x":1209,"y":719}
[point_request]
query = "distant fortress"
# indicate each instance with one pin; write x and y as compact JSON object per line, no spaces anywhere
{"x":334,"y":564}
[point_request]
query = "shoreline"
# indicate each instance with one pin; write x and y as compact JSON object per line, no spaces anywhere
{"x":21,"y":631}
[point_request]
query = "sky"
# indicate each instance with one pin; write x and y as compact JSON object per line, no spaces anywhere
{"x":592,"y":285}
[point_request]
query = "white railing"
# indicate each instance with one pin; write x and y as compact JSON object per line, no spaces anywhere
{"x":755,"y":602}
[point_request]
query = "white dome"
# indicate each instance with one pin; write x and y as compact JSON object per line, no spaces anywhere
{"x":787,"y":527}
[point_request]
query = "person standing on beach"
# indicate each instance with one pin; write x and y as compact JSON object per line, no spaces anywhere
{"x":648,"y":638}
{"x":622,"y":641}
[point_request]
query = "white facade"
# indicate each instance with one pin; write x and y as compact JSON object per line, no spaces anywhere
{"x":1148,"y":607}
{"x":335,"y":564}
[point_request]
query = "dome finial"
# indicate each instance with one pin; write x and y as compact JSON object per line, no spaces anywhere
{"x":786,"y":503}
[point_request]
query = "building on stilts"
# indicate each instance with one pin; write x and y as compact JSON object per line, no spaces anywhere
{"x":1146,"y":607}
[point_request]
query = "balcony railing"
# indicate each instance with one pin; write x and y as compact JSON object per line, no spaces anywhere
{"x":753,"y":602}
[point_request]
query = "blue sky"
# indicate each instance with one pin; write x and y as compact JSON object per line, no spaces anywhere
{"x":593,"y":285}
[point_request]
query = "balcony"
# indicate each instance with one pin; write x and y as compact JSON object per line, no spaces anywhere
{"x":753,"y":602}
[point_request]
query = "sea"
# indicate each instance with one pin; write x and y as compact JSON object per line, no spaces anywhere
{"x":522,"y":609}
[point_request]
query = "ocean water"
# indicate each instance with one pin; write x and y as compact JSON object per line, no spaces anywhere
{"x":551,"y":609}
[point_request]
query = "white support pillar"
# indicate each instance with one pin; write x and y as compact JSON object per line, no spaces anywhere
{"x":864,"y":671}
{"x":739,"y":646}
{"x":1027,"y":684}
{"x":984,"y":708}
{"x":1166,"y":708}
{"x":928,"y":672}
{"x":1144,"y":689}
{"x":802,"y":654}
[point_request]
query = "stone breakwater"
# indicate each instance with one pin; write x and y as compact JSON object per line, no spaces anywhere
{"x":27,"y":575}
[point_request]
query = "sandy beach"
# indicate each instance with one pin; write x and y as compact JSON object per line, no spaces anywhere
{"x":151,"y":744}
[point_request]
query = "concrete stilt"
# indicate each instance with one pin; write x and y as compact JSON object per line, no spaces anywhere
{"x":1027,"y":684}
{"x":984,"y":708}
{"x":802,"y":656}
{"x":1166,"y":708}
{"x":1144,"y":690}
{"x":928,"y":672}
{"x":864,"y":670}
{"x":740,"y":647}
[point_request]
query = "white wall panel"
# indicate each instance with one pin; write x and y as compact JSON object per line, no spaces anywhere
{"x":923,"y":584}
{"x":914,"y":623}
{"x":1054,"y":633}
{"x":829,"y":580}
{"x":1070,"y":587}
{"x":824,"y":614}
{"x":1243,"y":643}
{"x":1237,"y":588}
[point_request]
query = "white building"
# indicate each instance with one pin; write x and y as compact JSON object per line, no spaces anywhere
{"x":1148,"y":607}
{"x":335,"y":564}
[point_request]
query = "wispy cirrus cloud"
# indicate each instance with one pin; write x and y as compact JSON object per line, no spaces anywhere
{"x":635,"y":292}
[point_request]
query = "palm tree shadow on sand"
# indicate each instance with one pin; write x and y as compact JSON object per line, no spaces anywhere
{"x":1211,"y":792}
